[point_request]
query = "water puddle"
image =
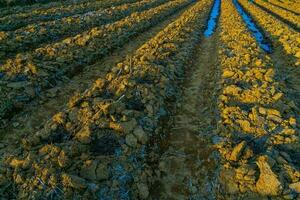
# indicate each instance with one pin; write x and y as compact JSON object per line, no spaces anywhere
{"x":260,"y":38}
{"x":212,"y":22}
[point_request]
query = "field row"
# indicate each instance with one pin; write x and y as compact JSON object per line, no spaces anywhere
{"x":37,"y":7}
{"x":15,"y":21}
{"x":33,"y":36}
{"x":290,"y":17}
{"x":256,"y":116}
{"x":278,"y":31}
{"x":287,"y":5}
{"x":109,"y":141}
{"x":9,"y":3}
{"x":122,"y":110}
{"x":29,"y":74}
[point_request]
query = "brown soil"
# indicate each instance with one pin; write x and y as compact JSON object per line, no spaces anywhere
{"x":188,"y":166}
{"x":39,"y":111}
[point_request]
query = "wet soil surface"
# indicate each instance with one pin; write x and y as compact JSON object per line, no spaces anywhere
{"x":188,"y":163}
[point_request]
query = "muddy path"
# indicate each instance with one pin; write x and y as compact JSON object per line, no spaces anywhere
{"x":55,"y":99}
{"x":188,"y":164}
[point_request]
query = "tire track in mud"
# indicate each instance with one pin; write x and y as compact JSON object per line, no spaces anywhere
{"x":188,"y":164}
{"x":39,"y":111}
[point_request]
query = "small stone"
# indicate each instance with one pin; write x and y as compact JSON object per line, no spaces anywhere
{"x":15,"y":124}
{"x":286,"y":156}
{"x":273,"y":112}
{"x":52,"y":92}
{"x":245,"y":125}
{"x":17,"y":85}
{"x":281,"y":160}
{"x":3,"y":180}
{"x":241,"y":170}
{"x":262,"y":110}
{"x":277,"y":96}
{"x":129,"y":126}
{"x":274,"y":118}
{"x":289,"y":196}
{"x":102,"y":172}
{"x":292,"y":121}
{"x":15,"y":163}
{"x":140,"y":135}
{"x":228,"y":74}
{"x":268,"y":183}
{"x":18,"y":179}
{"x":227,"y":178}
{"x":59,"y":118}
{"x":237,"y":151}
{"x":84,"y":135}
{"x":62,"y":159}
{"x":163,"y":166}
{"x":73,"y":181}
{"x":249,"y":178}
{"x":42,"y":73}
{"x":295,"y":187}
{"x":131,"y":140}
{"x":143,"y":190}
{"x":88,"y":171}
{"x":218,"y":140}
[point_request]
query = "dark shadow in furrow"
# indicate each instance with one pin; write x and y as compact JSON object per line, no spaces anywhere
{"x":80,"y":79}
{"x":213,"y":19}
{"x":283,"y":8}
{"x":57,"y":37}
{"x":288,"y":74}
{"x":51,"y":17}
{"x":289,"y":23}
{"x":256,"y":31}
{"x":71,"y":71}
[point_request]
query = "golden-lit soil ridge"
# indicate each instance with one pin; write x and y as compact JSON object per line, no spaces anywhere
{"x":151,"y":99}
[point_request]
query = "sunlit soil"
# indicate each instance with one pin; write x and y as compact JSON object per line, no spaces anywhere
{"x":151,"y":99}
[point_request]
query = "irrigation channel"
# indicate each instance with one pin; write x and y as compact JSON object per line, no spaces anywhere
{"x":255,"y":30}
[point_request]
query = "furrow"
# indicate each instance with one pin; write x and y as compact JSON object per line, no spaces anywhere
{"x":277,"y":31}
{"x":20,"y":18}
{"x":122,"y":110}
{"x":293,"y":7}
{"x":283,"y":15}
{"x":33,"y":36}
{"x":30,"y":74}
{"x":258,"y":135}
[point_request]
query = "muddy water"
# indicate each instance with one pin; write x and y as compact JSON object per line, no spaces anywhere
{"x":188,"y":164}
{"x":213,"y":19}
{"x":254,"y":29}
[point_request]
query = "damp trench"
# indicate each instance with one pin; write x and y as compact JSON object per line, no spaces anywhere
{"x":213,"y":19}
{"x":254,"y":29}
{"x":188,"y":162}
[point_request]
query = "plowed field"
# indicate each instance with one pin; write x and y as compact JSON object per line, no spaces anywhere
{"x":150,"y":99}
